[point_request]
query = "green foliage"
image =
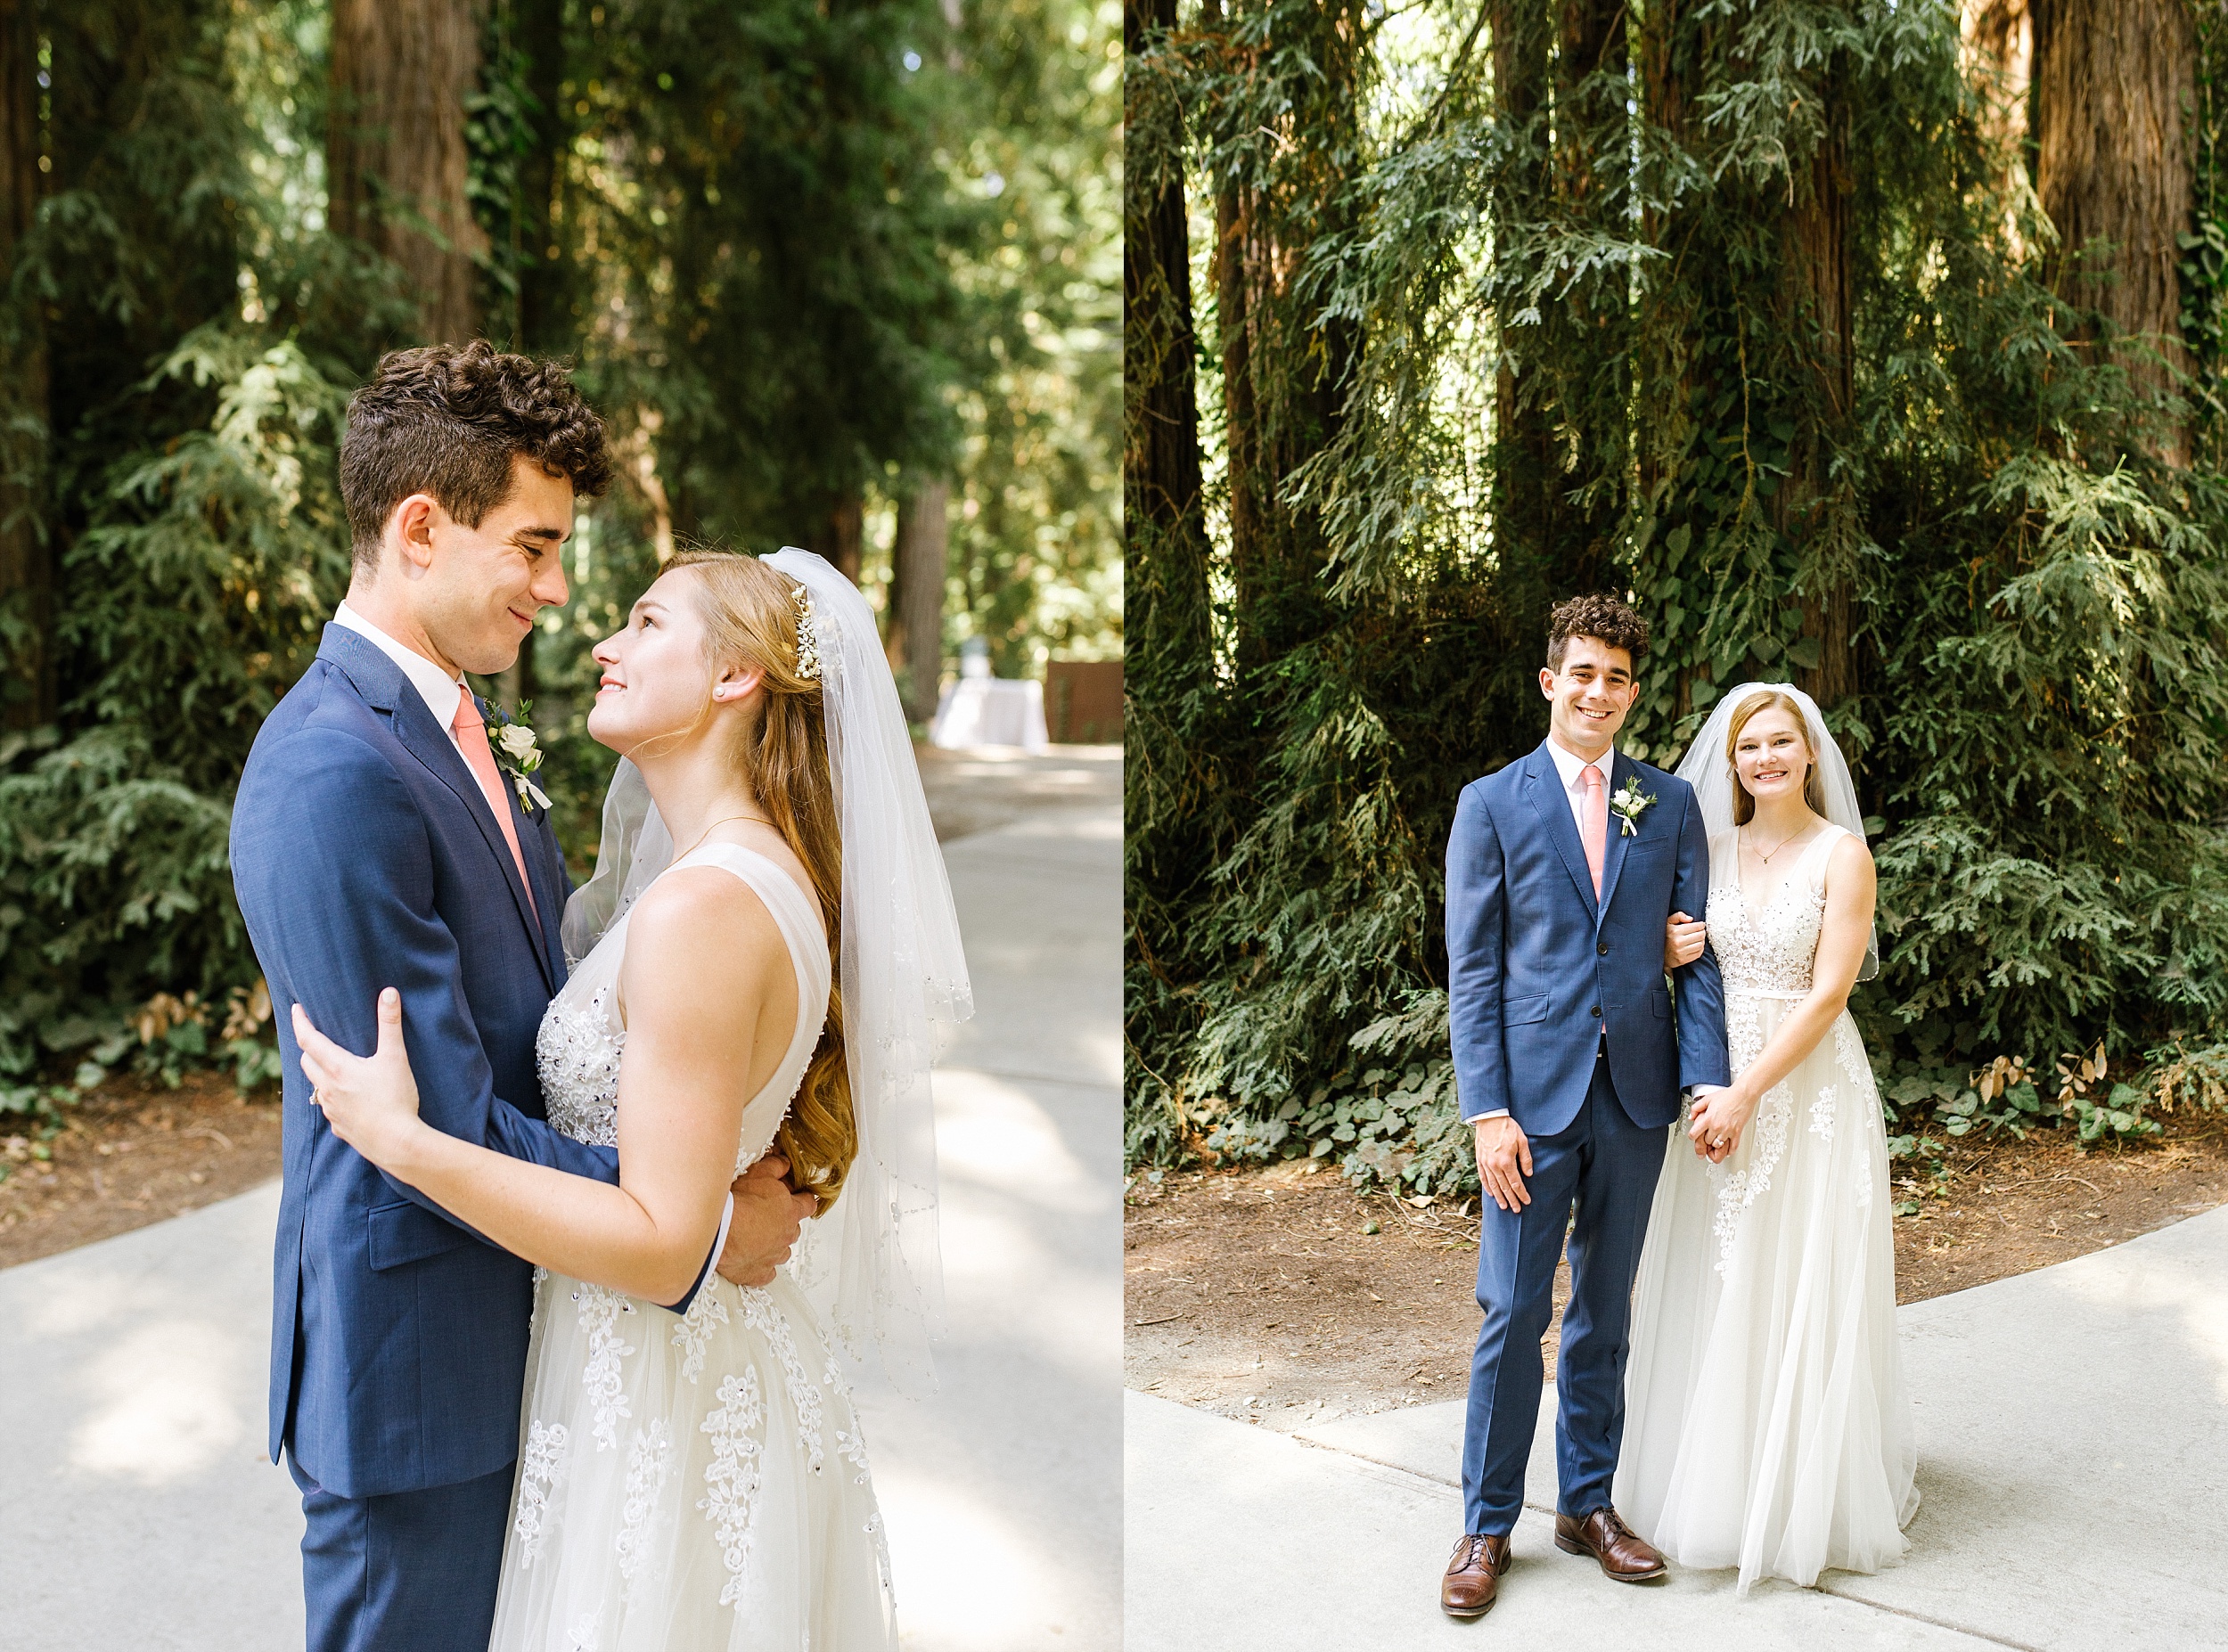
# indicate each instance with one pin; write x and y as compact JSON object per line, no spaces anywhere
{"x":778,"y":268}
{"x":1033,"y":534}
{"x":1589,"y":351}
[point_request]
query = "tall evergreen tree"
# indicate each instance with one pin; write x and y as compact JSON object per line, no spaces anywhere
{"x":395,"y":155}
{"x":1767,"y":329}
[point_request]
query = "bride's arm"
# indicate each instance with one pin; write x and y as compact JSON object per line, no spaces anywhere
{"x":704,"y":959}
{"x":1850,"y":884}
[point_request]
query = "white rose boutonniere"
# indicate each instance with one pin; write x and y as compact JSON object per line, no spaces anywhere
{"x":1628,"y":804}
{"x":515,"y":743}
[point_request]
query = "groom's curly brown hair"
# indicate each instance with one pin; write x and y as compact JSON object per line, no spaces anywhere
{"x":1601,"y":617}
{"x":446,"y":420}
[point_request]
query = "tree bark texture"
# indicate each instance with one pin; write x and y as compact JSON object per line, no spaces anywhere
{"x":2112,"y":78}
{"x":545,"y":329}
{"x":921,"y":557}
{"x":27,"y":561}
{"x":1819,"y":316}
{"x":1163,"y":506}
{"x":396,"y":152}
{"x":839,"y":533}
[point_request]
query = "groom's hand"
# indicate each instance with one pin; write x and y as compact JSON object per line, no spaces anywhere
{"x":769,"y":1215}
{"x":1504,"y":1158}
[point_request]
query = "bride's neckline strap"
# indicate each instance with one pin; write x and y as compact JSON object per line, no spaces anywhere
{"x":709,"y":851}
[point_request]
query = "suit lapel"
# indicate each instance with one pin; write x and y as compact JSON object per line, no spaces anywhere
{"x":1623,"y":772}
{"x":549,"y":894}
{"x":430,"y":743}
{"x":1554,"y":812}
{"x":384,"y":688}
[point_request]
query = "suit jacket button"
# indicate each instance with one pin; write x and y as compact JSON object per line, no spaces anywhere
{"x":1603,"y":949}
{"x":1595,"y":1011}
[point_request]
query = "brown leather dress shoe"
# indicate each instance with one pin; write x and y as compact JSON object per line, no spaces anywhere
{"x":1473,"y":1575}
{"x":1603,"y":1535}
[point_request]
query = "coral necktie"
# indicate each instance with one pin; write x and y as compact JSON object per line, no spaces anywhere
{"x":471,"y":730}
{"x":1597,"y":822}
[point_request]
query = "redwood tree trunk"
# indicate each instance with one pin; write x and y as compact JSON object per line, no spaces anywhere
{"x":2111,"y":80}
{"x":27,"y":563}
{"x":921,"y":556}
{"x":1815,"y":287}
{"x":543,"y":327}
{"x":396,"y":152}
{"x":839,"y":533}
{"x":1163,"y":507}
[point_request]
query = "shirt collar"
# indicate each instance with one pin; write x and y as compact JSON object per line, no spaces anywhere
{"x":441,"y":693}
{"x":1569,"y":764}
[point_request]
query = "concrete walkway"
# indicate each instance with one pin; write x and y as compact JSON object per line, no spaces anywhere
{"x":2073,"y":1454}
{"x":136,"y":1508}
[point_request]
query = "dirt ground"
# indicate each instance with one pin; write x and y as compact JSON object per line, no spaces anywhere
{"x":1286,"y":1298}
{"x":132,"y":1153}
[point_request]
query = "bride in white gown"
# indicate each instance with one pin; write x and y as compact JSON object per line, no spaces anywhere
{"x":1766,"y":1424}
{"x":701,"y":1480}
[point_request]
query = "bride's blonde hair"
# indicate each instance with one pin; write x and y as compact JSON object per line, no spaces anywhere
{"x":1743,"y":804}
{"x":749,"y":614}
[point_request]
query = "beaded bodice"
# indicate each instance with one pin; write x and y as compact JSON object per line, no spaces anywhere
{"x":581,"y":1043}
{"x":1770,"y":950}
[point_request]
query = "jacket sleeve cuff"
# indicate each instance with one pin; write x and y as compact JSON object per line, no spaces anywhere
{"x":726,"y":1220}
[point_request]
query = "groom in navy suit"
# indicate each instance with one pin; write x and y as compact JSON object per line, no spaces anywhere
{"x":1562,"y":870}
{"x":376,"y":842}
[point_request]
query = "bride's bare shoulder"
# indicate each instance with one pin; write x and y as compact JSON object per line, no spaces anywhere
{"x":700,"y":922}
{"x":1849,"y":860}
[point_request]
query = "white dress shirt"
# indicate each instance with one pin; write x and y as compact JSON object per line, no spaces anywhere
{"x":442,"y":693}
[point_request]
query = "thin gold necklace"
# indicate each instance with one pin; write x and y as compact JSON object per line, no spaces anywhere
{"x":1750,"y":838}
{"x":715,"y":826}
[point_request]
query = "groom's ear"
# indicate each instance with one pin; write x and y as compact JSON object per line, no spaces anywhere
{"x":409,"y":536}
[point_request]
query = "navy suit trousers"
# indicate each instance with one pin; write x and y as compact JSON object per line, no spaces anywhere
{"x":1597,"y":1178}
{"x":405,"y":1570}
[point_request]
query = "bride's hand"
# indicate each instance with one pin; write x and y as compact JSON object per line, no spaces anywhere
{"x":1716,"y":1120}
{"x":1683,"y":940}
{"x":371,"y":1101}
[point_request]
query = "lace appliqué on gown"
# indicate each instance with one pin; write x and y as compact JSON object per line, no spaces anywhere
{"x":672,"y":1489}
{"x":538,"y":1471}
{"x":731,"y":1481}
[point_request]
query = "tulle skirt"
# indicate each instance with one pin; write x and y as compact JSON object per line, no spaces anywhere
{"x":1766,"y":1423}
{"x":689,"y":1483}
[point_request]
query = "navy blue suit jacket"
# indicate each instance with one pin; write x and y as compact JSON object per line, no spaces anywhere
{"x":1535,"y":961}
{"x":364,"y":855}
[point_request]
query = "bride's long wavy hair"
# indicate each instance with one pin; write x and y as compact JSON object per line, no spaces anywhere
{"x":1743,"y":803}
{"x":749,"y":614}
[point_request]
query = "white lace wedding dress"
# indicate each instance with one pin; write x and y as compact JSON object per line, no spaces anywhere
{"x":1767,"y":1425}
{"x":700,"y":1482}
